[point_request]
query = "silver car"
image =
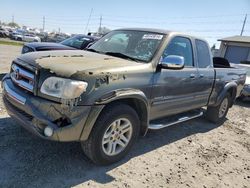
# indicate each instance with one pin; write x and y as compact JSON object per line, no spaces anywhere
{"x":246,"y":90}
{"x":27,"y":37}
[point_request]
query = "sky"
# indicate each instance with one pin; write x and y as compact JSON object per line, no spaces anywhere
{"x":210,"y":19}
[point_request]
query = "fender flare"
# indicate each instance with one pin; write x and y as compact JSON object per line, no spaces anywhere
{"x":122,"y":94}
{"x":226,"y":89}
{"x":112,"y":97}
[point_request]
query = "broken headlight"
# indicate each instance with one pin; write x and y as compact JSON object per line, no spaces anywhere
{"x":63,"y":88}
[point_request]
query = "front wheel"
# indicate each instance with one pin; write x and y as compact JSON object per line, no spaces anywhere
{"x":218,"y":113}
{"x":113,"y":135}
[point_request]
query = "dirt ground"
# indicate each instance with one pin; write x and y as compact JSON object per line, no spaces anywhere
{"x":192,"y":154}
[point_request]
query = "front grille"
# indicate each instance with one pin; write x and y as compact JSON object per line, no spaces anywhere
{"x":25,"y":115}
{"x":22,"y":77}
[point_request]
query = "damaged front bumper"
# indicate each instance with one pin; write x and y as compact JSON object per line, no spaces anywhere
{"x":35,"y":114}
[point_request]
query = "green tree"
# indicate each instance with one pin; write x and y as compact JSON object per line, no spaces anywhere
{"x":13,"y":24}
{"x":103,"y":30}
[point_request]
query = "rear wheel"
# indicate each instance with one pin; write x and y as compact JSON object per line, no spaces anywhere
{"x":113,"y":135}
{"x":218,"y":113}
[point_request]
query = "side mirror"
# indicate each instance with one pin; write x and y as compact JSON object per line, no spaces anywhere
{"x":172,"y":62}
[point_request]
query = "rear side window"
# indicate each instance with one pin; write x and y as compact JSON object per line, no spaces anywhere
{"x":202,"y":54}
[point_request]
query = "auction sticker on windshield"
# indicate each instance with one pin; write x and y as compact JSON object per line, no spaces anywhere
{"x":152,"y":36}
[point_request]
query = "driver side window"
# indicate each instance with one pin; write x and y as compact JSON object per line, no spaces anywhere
{"x":180,"y":46}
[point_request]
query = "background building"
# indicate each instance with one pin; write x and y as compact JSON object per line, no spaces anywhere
{"x":236,"y":49}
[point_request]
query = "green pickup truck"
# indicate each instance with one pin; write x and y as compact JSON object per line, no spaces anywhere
{"x":128,"y":82}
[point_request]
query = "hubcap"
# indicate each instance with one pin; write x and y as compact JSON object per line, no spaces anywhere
{"x":223,"y":108}
{"x":117,"y":136}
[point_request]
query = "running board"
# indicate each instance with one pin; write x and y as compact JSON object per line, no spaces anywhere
{"x":155,"y":126}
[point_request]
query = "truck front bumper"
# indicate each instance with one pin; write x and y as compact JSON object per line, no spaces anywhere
{"x":35,"y":114}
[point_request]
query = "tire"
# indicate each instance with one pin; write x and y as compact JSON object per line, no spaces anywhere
{"x":96,"y":148}
{"x":218,"y":113}
{"x":19,"y":39}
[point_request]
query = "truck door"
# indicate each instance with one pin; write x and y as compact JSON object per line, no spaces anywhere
{"x":206,"y":72}
{"x":175,"y":91}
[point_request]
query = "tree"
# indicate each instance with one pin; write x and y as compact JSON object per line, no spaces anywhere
{"x":103,"y":30}
{"x":213,"y":47}
{"x":13,"y":24}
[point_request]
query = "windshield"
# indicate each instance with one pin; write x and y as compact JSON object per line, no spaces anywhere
{"x":77,"y":42}
{"x":139,"y":45}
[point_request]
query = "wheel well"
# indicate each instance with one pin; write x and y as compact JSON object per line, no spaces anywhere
{"x":141,"y":109}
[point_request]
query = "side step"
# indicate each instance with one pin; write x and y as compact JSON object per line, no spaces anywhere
{"x":166,"y":122}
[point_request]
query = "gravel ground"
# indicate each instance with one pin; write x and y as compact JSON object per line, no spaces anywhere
{"x":191,"y":154}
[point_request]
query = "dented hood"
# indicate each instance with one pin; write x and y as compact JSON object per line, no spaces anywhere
{"x":68,"y":62}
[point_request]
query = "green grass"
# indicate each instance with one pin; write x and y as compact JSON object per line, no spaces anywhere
{"x":13,"y":43}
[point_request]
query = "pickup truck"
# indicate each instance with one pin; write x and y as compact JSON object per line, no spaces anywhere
{"x":128,"y":82}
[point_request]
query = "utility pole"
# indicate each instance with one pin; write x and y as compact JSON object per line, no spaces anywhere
{"x":100,"y":25}
{"x":43,"y":23}
{"x":86,"y":28}
{"x":13,"y":18}
{"x":243,"y":26}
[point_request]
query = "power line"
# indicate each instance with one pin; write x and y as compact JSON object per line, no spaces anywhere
{"x":142,"y":18}
{"x":43,"y":23}
{"x":180,"y":17}
{"x":88,"y":21}
{"x":222,"y":25}
{"x":100,"y":25}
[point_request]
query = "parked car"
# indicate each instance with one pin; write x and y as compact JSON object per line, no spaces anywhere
{"x":58,"y":37}
{"x":16,"y":32}
{"x":129,"y":81}
{"x":26,"y":37}
{"x":77,"y":42}
{"x":4,"y":33}
{"x":246,"y":90}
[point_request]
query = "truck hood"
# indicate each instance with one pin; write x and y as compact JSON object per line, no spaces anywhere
{"x":68,"y":62}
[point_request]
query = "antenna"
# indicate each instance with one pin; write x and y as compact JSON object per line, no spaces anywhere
{"x":243,"y":26}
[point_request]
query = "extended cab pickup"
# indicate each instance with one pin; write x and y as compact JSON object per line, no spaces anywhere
{"x":129,"y":81}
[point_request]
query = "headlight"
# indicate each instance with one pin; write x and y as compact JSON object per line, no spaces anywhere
{"x":63,"y":88}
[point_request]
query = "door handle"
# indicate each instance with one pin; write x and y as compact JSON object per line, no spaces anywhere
{"x":192,"y":76}
{"x":201,"y":75}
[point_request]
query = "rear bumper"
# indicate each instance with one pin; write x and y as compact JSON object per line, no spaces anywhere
{"x":35,"y":113}
{"x":246,"y":91}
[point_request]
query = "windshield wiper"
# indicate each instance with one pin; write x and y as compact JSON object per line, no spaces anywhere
{"x":121,"y":55}
{"x":92,"y":50}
